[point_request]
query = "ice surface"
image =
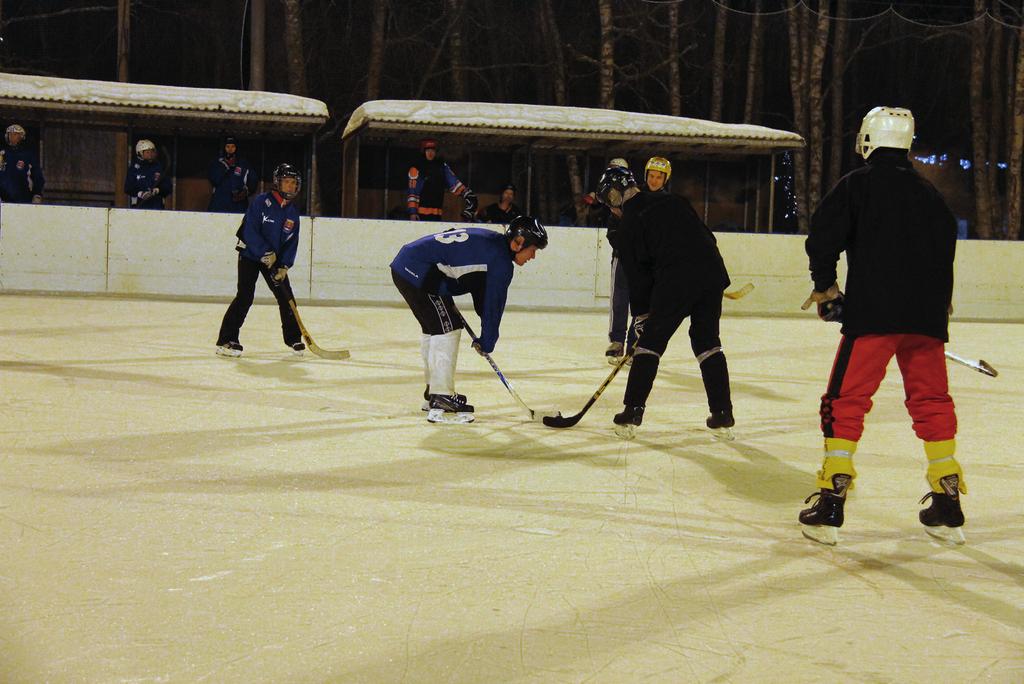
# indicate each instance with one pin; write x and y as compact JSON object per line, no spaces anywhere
{"x":170,"y":515}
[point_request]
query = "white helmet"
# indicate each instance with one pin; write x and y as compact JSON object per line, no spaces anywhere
{"x":885,"y":127}
{"x":13,"y":128}
{"x":142,"y":146}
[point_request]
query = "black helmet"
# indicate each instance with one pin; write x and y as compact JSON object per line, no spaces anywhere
{"x":530,"y":229}
{"x":613,"y":184}
{"x":287,"y":171}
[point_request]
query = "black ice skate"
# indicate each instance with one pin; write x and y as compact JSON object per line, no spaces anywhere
{"x":720,"y":423}
{"x":943,"y":519}
{"x":821,"y":522}
{"x":425,"y":406}
{"x":627,"y":422}
{"x":232,"y":349}
{"x":298,"y":349}
{"x":446,"y":408}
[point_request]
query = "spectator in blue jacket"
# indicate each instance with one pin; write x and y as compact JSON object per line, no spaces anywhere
{"x":232,"y":180}
{"x":268,"y":240}
{"x":21,"y":176}
{"x":146,"y":183}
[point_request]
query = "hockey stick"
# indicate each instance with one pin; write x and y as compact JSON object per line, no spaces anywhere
{"x":335,"y":355}
{"x":501,"y":376}
{"x":980,"y":365}
{"x":561,"y":421}
{"x":740,"y":293}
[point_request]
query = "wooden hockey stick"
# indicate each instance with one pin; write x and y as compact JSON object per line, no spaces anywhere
{"x":980,"y":365}
{"x":501,"y":376}
{"x":334,"y":355}
{"x":561,"y":421}
{"x":740,"y":293}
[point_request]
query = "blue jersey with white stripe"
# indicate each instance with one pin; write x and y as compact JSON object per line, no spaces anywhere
{"x":460,"y":261}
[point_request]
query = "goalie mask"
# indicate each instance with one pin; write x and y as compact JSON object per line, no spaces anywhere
{"x":885,"y":127}
{"x":530,"y":229}
{"x":611,"y":188}
{"x":287,"y":171}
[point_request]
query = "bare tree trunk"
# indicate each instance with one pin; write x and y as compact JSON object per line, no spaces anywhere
{"x":751,"y":106}
{"x":979,"y":137}
{"x":257,"y":45}
{"x":607,"y":66}
{"x":797,"y":88}
{"x":1014,"y":185}
{"x":553,"y":40}
{"x":996,"y":129}
{"x":375,"y":68}
{"x":675,"y":98}
{"x":816,"y":111}
{"x":718,"y":60}
{"x":838,"y":147}
{"x":455,"y":49}
{"x":296,"y":56}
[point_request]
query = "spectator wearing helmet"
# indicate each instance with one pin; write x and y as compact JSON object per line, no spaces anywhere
{"x":231,"y":179}
{"x":268,"y":241}
{"x":146,"y":183}
{"x":656,"y":174}
{"x":504,"y":210}
{"x":675,"y":272}
{"x":21,"y":176}
{"x":900,"y":242}
{"x":429,"y":271}
{"x":428,"y":180}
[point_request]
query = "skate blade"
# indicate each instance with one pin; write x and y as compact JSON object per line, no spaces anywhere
{"x":625,"y":431}
{"x":723,"y":434}
{"x":442,"y":416}
{"x":228,"y":353}
{"x":823,"y":534}
{"x":298,"y":353}
{"x":950,"y":535}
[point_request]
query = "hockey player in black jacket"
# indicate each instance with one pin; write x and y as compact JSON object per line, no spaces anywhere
{"x":675,"y":271}
{"x":900,"y":238}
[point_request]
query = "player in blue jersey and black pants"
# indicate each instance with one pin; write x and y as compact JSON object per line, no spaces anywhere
{"x":268,"y":240}
{"x":431,"y":270}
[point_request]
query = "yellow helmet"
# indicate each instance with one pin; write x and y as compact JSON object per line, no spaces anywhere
{"x":659,"y":164}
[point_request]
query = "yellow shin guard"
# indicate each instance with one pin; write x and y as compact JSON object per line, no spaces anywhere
{"x":942,"y":463}
{"x":838,"y":461}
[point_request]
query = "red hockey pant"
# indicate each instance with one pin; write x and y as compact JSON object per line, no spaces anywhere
{"x":858,"y":371}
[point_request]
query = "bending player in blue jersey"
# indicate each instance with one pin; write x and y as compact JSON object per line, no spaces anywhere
{"x":431,"y":270}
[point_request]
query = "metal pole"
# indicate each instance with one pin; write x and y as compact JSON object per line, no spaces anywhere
{"x":529,"y":179}
{"x":757,"y":195}
{"x":771,"y":197}
{"x":387,"y":175}
{"x":174,"y":173}
{"x":707,"y":193}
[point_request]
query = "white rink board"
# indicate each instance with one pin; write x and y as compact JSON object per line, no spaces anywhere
{"x":190,"y":254}
{"x":58,"y":249}
{"x":183,"y":254}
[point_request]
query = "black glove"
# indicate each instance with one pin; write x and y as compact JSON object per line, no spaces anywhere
{"x":469,"y":212}
{"x":832,"y":310}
